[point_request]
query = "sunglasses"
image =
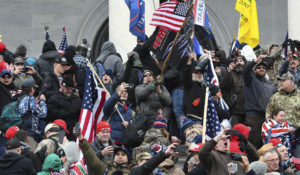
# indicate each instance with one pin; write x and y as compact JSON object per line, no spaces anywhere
{"x":147,"y":75}
{"x":261,"y":67}
{"x":6,"y":76}
{"x":278,"y":145}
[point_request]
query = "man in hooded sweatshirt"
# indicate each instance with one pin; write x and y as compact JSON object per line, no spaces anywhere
{"x":52,"y":164}
{"x":13,"y":162}
{"x":110,"y":59}
{"x":45,"y":63}
{"x":69,"y":155}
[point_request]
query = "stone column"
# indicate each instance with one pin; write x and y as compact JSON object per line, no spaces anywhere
{"x":119,"y":25}
{"x":293,"y":19}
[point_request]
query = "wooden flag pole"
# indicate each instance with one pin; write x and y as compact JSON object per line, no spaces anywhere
{"x":205,"y":115}
{"x":108,"y":94}
{"x":177,"y":35}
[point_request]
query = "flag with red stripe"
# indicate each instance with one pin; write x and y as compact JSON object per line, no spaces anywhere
{"x":170,"y":15}
{"x":92,"y":105}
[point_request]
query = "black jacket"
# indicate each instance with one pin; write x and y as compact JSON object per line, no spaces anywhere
{"x":14,"y":164}
{"x":51,"y":85}
{"x":257,"y":91}
{"x":45,"y":63}
{"x":149,"y":166}
{"x":63,"y":107}
{"x":193,"y":92}
{"x":30,"y":155}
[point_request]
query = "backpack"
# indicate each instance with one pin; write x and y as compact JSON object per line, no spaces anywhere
{"x":134,"y":133}
{"x":10,"y":115}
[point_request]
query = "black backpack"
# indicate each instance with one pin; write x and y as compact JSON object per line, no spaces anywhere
{"x":134,"y":133}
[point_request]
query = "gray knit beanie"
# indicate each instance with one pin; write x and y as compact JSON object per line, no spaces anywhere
{"x":260,"y":168}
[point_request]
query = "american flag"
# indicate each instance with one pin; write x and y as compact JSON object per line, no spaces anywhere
{"x":92,"y":105}
{"x":213,"y":126}
{"x":170,"y":15}
{"x":63,"y":44}
{"x":212,"y":78}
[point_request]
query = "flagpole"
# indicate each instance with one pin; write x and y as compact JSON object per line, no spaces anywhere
{"x":177,"y":35}
{"x":99,"y":79}
{"x":205,"y":115}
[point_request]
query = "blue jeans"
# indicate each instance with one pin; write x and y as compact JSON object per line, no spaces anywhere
{"x":2,"y":145}
{"x":177,"y":98}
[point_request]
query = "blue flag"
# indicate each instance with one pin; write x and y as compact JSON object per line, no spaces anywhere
{"x":197,"y":47}
{"x":137,"y":18}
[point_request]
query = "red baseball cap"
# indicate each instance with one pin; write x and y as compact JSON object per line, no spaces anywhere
{"x":62,"y":124}
{"x":3,"y":65}
{"x":196,"y":148}
{"x":11,"y":132}
{"x":103,"y":125}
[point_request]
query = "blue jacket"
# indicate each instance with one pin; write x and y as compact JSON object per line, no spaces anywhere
{"x":257,"y":91}
{"x":115,"y":121}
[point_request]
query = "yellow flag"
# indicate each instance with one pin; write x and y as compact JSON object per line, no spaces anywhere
{"x":248,"y":30}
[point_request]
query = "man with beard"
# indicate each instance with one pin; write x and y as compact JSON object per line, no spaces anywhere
{"x":291,"y":65}
{"x":70,"y":157}
{"x":194,"y":89}
{"x":233,"y":83}
{"x":65,"y":105}
{"x":112,"y":116}
{"x":257,"y":91}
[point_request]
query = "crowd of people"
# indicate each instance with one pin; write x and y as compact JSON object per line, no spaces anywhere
{"x":149,"y":115}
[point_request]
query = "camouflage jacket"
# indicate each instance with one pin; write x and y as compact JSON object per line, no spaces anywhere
{"x":290,"y":103}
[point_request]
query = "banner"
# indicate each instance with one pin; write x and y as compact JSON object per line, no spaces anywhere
{"x":201,"y":17}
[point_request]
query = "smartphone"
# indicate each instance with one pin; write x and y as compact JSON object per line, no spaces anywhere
{"x":233,"y":168}
{"x":181,"y":149}
{"x":232,"y":132}
{"x":62,"y":134}
{"x":77,"y":129}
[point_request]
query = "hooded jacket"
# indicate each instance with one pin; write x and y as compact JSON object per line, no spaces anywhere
{"x":52,"y":161}
{"x":45,"y":63}
{"x":6,"y":93}
{"x":73,"y":159}
{"x":30,"y":155}
{"x":14,"y":163}
{"x":112,"y":62}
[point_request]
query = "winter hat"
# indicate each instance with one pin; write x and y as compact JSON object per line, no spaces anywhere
{"x":70,"y":53}
{"x":160,"y":124}
{"x":80,"y":61}
{"x":71,"y":151}
{"x":123,"y":148}
{"x":11,"y":132}
{"x":2,"y":47}
{"x":274,"y":141}
{"x":62,"y":124}
{"x":260,"y":168}
{"x":68,"y":81}
{"x":19,"y":60}
{"x":185,"y":123}
{"x":5,"y":71}
{"x":109,"y":73}
{"x":30,"y":61}
{"x":3,"y":65}
{"x":48,"y":46}
{"x":216,"y":64}
{"x":103,"y":125}
{"x":12,"y":143}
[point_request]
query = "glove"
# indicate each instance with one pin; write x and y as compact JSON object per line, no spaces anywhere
{"x":160,"y":79}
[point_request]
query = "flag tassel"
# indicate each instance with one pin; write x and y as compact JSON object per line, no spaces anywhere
{"x":177,"y":35}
